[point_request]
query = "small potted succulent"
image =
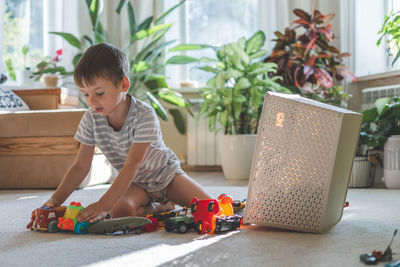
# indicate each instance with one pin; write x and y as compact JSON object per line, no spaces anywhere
{"x":50,"y":71}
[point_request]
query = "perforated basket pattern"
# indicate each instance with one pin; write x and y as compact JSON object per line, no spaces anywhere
{"x":292,"y":165}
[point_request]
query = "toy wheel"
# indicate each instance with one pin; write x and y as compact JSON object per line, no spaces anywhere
{"x":199,"y":227}
{"x":211,"y":206}
{"x":169,"y":227}
{"x":53,"y":227}
{"x":81,"y":228}
{"x":138,"y":231}
{"x":194,"y":207}
{"x":182,"y":228}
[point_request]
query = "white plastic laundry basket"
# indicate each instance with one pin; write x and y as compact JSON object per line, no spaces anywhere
{"x":302,"y":164}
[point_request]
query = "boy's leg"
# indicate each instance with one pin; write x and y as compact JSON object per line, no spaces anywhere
{"x":182,"y":189}
{"x":132,"y":203}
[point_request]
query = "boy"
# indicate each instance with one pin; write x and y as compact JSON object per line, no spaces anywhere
{"x":127,"y":131}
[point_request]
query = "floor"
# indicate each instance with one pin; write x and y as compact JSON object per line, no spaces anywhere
{"x":367,"y":224}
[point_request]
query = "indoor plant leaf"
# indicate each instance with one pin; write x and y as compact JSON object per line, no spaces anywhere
{"x":179,"y":121}
{"x":381,"y":103}
{"x":255,"y":42}
{"x":70,"y":38}
{"x":157,"y":106}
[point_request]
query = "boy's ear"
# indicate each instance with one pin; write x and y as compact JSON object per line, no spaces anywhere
{"x":125,"y":84}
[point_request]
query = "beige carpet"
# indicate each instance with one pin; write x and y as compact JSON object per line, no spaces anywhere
{"x":366,"y":225}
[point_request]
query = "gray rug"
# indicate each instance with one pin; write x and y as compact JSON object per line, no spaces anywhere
{"x":367,"y":224}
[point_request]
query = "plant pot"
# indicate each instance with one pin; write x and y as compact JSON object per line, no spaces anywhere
{"x":391,"y":162}
{"x":360,"y":172}
{"x":237,"y":153}
{"x":50,"y":80}
{"x":24,"y":77}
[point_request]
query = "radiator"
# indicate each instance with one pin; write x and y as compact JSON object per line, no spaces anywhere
{"x":202,"y":144}
{"x":370,"y":95}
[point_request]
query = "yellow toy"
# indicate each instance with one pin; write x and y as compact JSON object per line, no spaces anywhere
{"x":225,"y":203}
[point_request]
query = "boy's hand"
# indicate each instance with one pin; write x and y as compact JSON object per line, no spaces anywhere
{"x":92,"y":213}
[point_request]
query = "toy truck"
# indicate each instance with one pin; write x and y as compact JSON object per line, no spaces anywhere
{"x":46,"y":218}
{"x":181,"y":222}
{"x":227,"y":223}
{"x":69,"y":222}
{"x":204,"y":214}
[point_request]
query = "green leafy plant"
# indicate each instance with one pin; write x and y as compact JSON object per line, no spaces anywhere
{"x":25,"y":50}
{"x":307,"y":61}
{"x":381,"y":121}
{"x":234,"y":96}
{"x":50,"y":66}
{"x":10,"y":69}
{"x":391,"y":29}
{"x":147,"y":81}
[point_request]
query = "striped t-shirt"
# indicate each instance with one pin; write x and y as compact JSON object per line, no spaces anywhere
{"x":159,"y":165}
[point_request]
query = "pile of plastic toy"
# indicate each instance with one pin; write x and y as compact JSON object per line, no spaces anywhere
{"x":204,"y":216}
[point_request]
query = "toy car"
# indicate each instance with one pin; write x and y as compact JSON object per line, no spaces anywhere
{"x":162,"y":216}
{"x":124,"y":224}
{"x":69,"y":222}
{"x":181,"y":223}
{"x":45,"y":218}
{"x":227,"y":223}
{"x":204,"y":214}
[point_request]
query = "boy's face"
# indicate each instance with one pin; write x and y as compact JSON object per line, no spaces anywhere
{"x":103,"y":96}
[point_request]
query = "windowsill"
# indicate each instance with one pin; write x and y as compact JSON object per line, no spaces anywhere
{"x":186,"y":90}
{"x":376,"y":76}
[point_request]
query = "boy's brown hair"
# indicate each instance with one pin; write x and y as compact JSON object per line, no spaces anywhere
{"x":101,"y":60}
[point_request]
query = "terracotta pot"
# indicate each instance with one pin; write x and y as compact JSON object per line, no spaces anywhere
{"x":50,"y":80}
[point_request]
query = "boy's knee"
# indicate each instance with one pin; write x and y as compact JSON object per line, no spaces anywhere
{"x":125,"y":209}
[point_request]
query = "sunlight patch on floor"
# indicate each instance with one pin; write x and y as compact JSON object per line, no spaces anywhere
{"x":162,"y":253}
{"x":27,"y":197}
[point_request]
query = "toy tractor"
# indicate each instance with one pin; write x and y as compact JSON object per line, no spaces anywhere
{"x":181,"y":222}
{"x":69,"y":221}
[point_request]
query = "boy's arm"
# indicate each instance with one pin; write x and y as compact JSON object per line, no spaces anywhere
{"x":74,"y":175}
{"x":133,"y":160}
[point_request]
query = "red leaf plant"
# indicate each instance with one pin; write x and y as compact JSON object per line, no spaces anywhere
{"x":308,"y":63}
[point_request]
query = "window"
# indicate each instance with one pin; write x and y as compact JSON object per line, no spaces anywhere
{"x":23,"y":25}
{"x":209,"y":22}
{"x":368,"y":19}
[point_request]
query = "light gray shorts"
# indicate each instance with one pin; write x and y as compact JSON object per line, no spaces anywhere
{"x":160,"y":195}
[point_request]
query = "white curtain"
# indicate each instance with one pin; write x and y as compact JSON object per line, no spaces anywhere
{"x":2,"y":69}
{"x":276,"y":15}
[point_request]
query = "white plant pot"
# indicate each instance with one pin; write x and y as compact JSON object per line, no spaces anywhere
{"x":237,"y":153}
{"x":23,"y":77}
{"x":360,"y":172}
{"x":391,"y":162}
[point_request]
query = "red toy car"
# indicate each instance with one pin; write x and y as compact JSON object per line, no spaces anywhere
{"x":204,"y":214}
{"x":46,"y":218}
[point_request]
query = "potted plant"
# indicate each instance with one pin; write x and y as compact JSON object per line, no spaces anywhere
{"x":26,"y":73}
{"x":384,"y":122}
{"x":391,"y":30}
{"x":147,"y":81}
{"x":50,"y":70}
{"x":308,"y":62}
{"x":360,"y":174}
{"x":233,"y":97}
